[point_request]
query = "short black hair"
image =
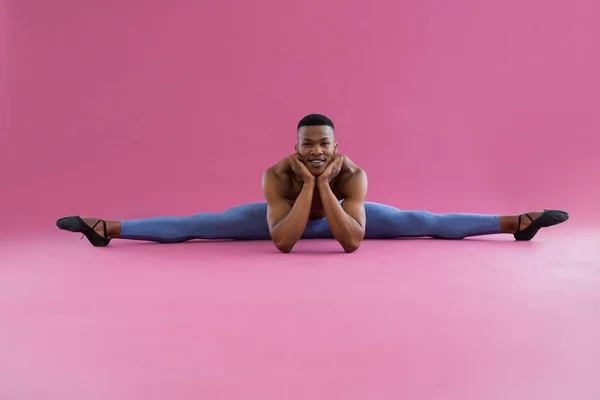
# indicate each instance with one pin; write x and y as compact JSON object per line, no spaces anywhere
{"x":314,"y":120}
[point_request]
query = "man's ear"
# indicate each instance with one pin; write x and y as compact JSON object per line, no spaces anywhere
{"x":335,"y":148}
{"x":297,"y":149}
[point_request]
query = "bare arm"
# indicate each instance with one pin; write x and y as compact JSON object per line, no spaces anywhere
{"x":286,"y":222}
{"x":346,"y":221}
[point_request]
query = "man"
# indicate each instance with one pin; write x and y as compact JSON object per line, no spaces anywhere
{"x":314,"y":193}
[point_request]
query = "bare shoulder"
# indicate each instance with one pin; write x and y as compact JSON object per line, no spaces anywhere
{"x":350,"y":171}
{"x":277,"y":176}
{"x":352,"y":178}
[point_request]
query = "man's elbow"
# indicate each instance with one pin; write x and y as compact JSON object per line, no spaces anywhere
{"x":351,"y":246}
{"x":285,"y":246}
{"x":283,"y":241}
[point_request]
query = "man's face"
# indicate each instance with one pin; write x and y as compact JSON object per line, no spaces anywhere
{"x":316,"y":147}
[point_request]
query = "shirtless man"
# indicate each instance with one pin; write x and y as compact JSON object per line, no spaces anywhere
{"x":314,"y":193}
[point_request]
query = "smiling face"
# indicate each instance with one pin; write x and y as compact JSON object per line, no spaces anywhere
{"x":316,"y":146}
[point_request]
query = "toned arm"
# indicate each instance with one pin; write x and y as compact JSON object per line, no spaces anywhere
{"x":286,"y":222}
{"x":348,"y":220}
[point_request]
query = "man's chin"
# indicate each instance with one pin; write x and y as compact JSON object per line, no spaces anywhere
{"x":316,"y":171}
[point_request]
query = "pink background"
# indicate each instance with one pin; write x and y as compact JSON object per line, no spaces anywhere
{"x":125,"y":109}
{"x":122,"y":109}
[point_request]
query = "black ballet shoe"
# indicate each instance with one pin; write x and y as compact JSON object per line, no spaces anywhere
{"x":76,"y":224}
{"x":548,"y":218}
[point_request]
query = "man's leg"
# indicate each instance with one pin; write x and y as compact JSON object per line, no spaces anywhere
{"x":385,"y":221}
{"x":244,"y":222}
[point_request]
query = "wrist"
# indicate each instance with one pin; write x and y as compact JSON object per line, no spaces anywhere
{"x":322,"y":182}
{"x":310,"y":181}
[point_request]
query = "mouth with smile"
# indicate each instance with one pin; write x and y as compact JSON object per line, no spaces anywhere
{"x":316,"y":162}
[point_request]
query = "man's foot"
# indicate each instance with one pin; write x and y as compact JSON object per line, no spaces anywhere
{"x":526,"y":226}
{"x":97,"y":231}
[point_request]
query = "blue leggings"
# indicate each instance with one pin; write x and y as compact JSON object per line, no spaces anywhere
{"x":249,"y":222}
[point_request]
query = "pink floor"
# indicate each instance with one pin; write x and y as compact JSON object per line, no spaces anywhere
{"x":408,"y":319}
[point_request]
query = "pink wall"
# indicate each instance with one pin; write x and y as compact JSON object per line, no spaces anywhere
{"x":4,"y":79}
{"x":137,"y":108}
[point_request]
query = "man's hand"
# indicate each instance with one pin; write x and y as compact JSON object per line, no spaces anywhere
{"x":300,"y":170}
{"x":332,"y":170}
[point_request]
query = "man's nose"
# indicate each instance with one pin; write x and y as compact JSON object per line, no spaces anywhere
{"x":316,"y":150}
